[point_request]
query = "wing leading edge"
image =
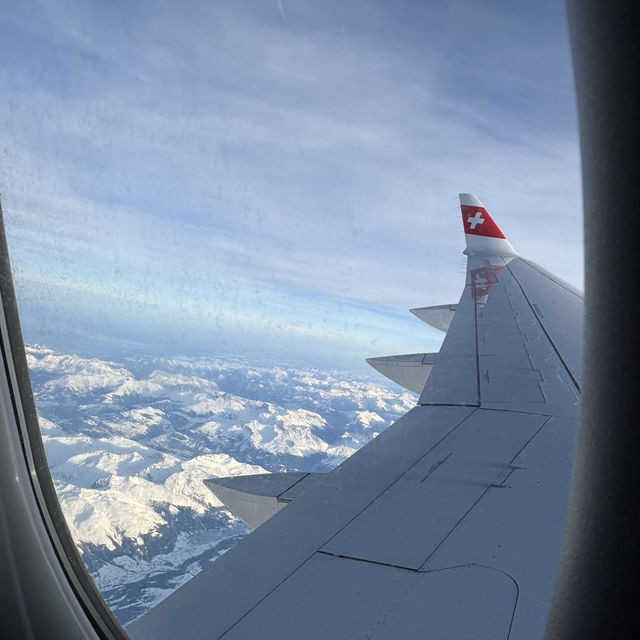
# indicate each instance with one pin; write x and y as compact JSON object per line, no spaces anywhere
{"x":450,"y":521}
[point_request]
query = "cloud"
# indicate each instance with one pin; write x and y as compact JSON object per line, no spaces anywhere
{"x":217,"y":151}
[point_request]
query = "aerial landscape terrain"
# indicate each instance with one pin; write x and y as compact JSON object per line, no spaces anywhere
{"x":129,"y":444}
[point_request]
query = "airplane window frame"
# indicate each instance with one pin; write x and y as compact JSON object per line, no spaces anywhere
{"x":24,"y":459}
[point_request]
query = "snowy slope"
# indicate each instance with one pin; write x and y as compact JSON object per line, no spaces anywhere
{"x":129,"y":444}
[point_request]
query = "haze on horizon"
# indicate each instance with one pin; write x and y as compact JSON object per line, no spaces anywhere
{"x":277,"y":179}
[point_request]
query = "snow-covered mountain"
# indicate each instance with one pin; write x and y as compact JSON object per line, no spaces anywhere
{"x":129,"y":444}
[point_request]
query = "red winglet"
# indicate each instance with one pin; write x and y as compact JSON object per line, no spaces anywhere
{"x":482,"y":233}
{"x":478,"y":222}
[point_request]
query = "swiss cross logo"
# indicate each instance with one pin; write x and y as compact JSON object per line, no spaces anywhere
{"x":476,"y":220}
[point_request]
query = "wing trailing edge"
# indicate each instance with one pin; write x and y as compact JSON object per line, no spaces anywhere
{"x":255,"y":498}
{"x":410,"y":371}
{"x":437,"y":316}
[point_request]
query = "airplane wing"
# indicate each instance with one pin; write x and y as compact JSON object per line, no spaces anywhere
{"x":449,"y":523}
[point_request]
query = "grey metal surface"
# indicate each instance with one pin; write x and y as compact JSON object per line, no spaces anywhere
{"x":491,"y":519}
{"x":454,"y":379}
{"x":517,"y":527}
{"x":446,"y":484}
{"x":410,"y":371}
{"x":466,"y":495}
{"x":333,"y":597}
{"x":498,"y":350}
{"x":259,"y":484}
{"x":255,"y":498}
{"x":297,"y":489}
{"x":235,"y":583}
{"x":519,"y":368}
{"x":438,"y":316}
{"x":553,"y":301}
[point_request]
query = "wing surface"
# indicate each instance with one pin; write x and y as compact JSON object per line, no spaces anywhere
{"x":449,"y":523}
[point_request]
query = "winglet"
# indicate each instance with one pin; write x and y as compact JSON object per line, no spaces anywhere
{"x":481,"y":232}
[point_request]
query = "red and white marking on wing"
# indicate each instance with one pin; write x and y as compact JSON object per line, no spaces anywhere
{"x":481,"y":232}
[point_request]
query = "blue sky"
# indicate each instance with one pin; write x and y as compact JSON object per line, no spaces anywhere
{"x":276,"y":177}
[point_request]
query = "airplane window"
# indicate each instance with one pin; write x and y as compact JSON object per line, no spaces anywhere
{"x":216,"y":211}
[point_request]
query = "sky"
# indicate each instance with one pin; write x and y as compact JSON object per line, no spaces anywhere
{"x":275,"y":178}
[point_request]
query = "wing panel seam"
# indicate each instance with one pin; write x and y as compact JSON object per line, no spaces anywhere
{"x":366,"y":561}
{"x":482,"y":495}
{"x":322,"y":544}
{"x":426,"y":453}
{"x":550,"y":277}
{"x":477,"y":345}
{"x":546,"y":333}
{"x":291,"y":487}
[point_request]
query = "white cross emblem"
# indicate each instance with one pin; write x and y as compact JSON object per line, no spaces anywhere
{"x":476,"y":220}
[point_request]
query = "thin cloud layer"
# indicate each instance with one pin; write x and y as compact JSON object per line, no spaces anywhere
{"x":244,"y":162}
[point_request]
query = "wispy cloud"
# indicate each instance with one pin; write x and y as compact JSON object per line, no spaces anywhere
{"x":213,"y":146}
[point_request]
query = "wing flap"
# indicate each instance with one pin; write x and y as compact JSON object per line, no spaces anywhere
{"x":410,"y":371}
{"x":255,"y":498}
{"x":438,"y":316}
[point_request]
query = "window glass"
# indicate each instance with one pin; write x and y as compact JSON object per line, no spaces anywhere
{"x":217,"y":211}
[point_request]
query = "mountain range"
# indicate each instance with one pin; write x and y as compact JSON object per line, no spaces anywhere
{"x":129,"y":444}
